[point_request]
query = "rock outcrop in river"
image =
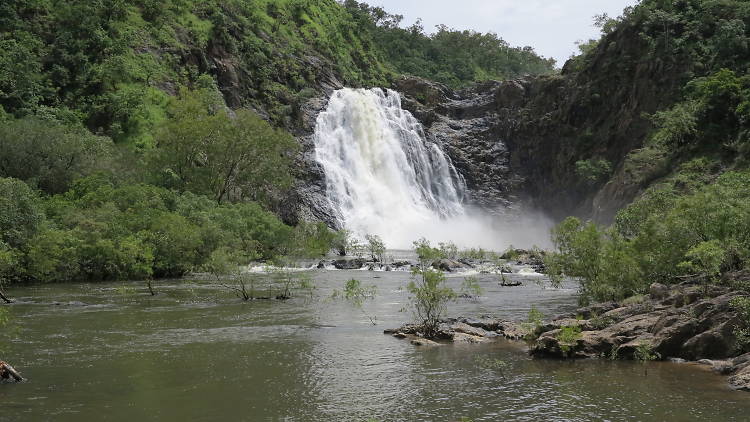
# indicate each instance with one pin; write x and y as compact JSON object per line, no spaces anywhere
{"x":681,"y":323}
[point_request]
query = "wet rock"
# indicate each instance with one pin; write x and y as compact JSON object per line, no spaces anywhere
{"x":399,"y":264}
{"x":487,"y":324}
{"x":467,"y":338}
{"x":424,"y":342}
{"x":692,"y":328}
{"x":468,"y":329}
{"x":349,"y":264}
{"x":741,"y":380}
{"x":512,"y":331}
{"x":448,"y":265}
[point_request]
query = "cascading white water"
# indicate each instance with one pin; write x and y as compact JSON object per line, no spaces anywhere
{"x":384,"y":177}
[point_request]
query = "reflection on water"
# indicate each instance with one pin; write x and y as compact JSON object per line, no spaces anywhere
{"x":194,"y":352}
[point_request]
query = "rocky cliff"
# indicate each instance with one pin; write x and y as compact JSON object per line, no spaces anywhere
{"x":522,"y":139}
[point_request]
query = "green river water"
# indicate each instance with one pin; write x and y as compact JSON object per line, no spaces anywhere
{"x":194,"y":352}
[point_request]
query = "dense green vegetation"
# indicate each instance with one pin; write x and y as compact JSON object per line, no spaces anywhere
{"x":453,"y":57}
{"x":113,"y":65}
{"x":691,"y":221}
{"x":96,"y":216}
{"x":143,"y":139}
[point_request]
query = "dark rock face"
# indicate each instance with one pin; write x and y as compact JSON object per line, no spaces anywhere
{"x":467,"y":126}
{"x":518,"y":141}
{"x":307,"y":200}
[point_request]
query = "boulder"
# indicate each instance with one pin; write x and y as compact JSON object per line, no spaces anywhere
{"x":448,"y":265}
{"x":464,"y":328}
{"x":741,"y":379}
{"x":658,"y":291}
{"x":467,"y":338}
{"x":349,"y":264}
{"x":716,"y":343}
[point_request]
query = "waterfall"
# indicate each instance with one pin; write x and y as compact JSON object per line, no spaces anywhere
{"x":382,"y":175}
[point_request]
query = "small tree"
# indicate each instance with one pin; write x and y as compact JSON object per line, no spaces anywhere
{"x":533,"y":322}
{"x":430,"y":296}
{"x":705,"y":260}
{"x":286,"y":279}
{"x":224,"y":264}
{"x":356,"y":294}
{"x":375,"y":247}
{"x":592,"y":171}
{"x":470,"y":288}
{"x":643,"y":353}
{"x":567,"y":337}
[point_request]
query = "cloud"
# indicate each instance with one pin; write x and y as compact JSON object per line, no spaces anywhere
{"x":551,"y":27}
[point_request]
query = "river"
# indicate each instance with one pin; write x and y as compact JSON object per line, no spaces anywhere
{"x":110,"y":352}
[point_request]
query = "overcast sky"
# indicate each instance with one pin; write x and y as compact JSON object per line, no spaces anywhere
{"x":550,"y":26}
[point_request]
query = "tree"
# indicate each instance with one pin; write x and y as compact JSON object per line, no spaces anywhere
{"x":375,"y":247}
{"x":430,"y":295}
{"x":50,"y":155}
{"x":356,"y":294}
{"x":205,"y":149}
{"x":20,"y":213}
{"x":8,"y":263}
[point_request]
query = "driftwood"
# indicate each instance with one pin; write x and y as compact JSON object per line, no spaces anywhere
{"x":3,"y":298}
{"x":7,"y":372}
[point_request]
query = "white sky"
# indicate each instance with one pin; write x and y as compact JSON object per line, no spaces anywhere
{"x":550,"y":26}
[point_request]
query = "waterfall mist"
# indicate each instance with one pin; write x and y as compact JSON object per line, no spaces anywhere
{"x":384,"y":177}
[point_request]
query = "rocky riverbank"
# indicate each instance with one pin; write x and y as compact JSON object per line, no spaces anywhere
{"x":684,"y":323}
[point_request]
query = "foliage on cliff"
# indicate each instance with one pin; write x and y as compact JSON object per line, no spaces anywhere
{"x":645,"y":75}
{"x":450,"y":56}
{"x":685,"y":163}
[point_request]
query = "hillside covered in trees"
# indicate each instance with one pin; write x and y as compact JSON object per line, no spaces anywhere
{"x":140,"y":137}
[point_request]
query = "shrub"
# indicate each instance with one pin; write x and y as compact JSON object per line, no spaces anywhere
{"x":429,"y":294}
{"x":593,"y":171}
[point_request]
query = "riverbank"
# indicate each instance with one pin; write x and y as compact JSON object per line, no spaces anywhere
{"x":685,"y":323}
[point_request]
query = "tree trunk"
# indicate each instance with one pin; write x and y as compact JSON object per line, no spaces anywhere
{"x":7,"y":371}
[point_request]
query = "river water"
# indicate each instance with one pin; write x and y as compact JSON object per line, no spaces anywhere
{"x":109,"y":351}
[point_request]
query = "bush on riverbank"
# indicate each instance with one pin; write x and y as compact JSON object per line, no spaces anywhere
{"x":103,"y":230}
{"x":700,"y":236}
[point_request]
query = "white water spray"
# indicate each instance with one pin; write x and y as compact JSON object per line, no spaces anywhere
{"x":384,"y":177}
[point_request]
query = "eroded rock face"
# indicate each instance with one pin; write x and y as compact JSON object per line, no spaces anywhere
{"x":682,"y":322}
{"x":467,"y":125}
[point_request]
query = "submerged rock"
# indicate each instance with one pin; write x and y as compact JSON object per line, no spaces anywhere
{"x":424,"y":342}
